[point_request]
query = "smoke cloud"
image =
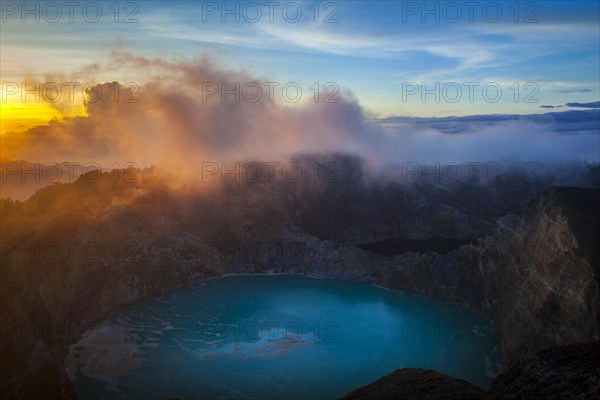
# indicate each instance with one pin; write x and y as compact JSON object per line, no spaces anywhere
{"x":176,"y":114}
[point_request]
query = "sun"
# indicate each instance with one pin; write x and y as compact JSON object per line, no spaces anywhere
{"x":17,"y":115}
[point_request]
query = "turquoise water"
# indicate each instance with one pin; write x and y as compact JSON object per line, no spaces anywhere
{"x":276,"y":336}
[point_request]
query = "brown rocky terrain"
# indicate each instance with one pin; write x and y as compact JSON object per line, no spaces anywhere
{"x":73,"y":253}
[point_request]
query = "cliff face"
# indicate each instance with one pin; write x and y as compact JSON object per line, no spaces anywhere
{"x":540,"y":274}
{"x":533,"y":276}
{"x":536,"y":276}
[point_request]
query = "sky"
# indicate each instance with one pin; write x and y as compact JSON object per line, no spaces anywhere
{"x":393,"y":58}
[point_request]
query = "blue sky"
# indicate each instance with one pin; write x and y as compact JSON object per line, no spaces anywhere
{"x":376,"y":49}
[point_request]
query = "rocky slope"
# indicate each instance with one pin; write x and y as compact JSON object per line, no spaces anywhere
{"x":417,"y":384}
{"x":564,"y":372}
{"x":536,"y":276}
{"x":80,"y":257}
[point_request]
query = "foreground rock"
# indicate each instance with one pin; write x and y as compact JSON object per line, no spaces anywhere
{"x":416,"y":384}
{"x":566,"y":372}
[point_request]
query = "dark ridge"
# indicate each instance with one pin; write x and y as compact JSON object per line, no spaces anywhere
{"x":564,"y":372}
{"x":391,"y":247}
{"x":417,"y":384}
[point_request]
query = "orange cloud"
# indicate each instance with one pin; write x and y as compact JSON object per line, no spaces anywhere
{"x":176,"y":114}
